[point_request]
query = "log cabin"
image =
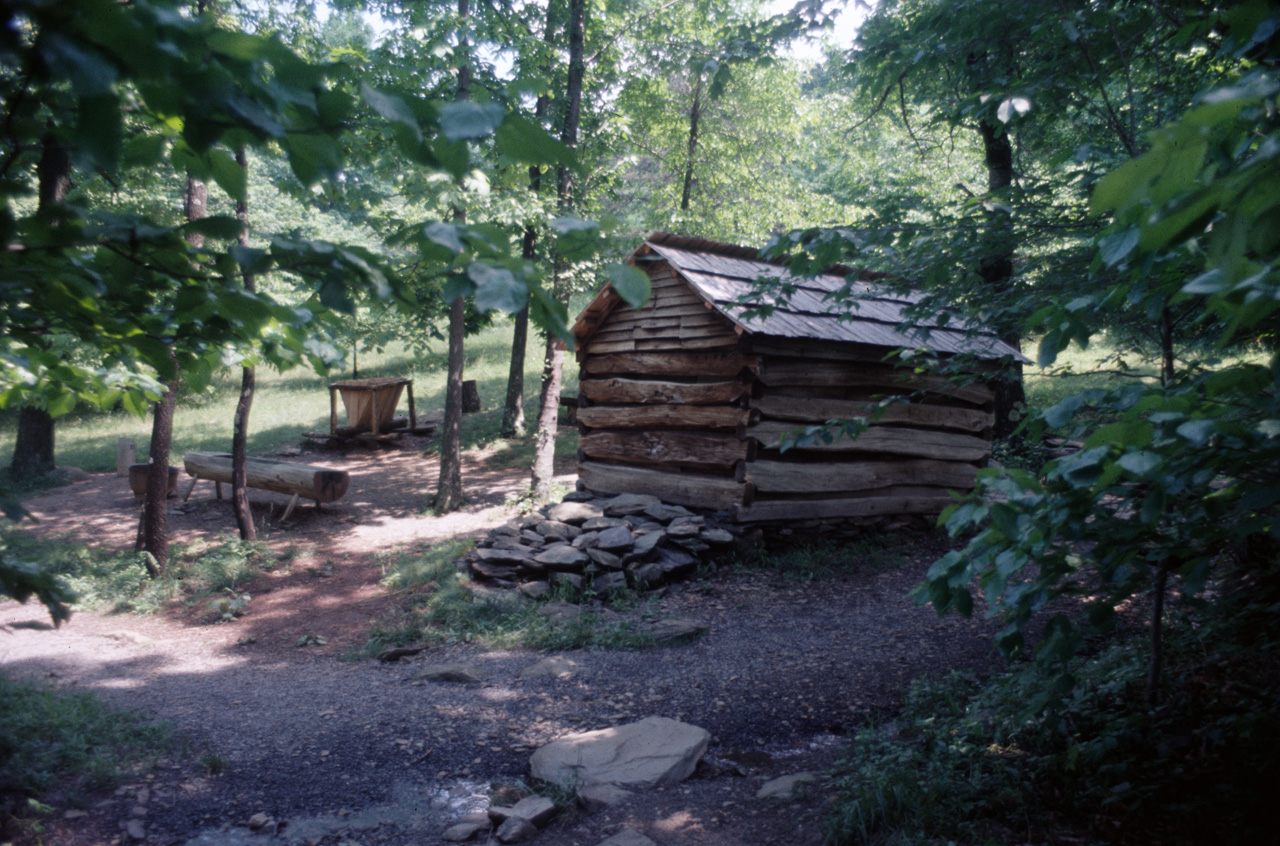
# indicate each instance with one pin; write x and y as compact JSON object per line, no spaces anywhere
{"x":692,"y":397}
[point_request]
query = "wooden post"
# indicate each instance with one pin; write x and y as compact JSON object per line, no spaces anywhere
{"x":470,"y":397}
{"x":413,"y":415}
{"x":333,"y":410}
{"x":126,"y":452}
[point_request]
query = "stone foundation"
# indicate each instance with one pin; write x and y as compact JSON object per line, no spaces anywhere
{"x":590,"y":545}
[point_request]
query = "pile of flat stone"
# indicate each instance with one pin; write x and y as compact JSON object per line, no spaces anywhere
{"x":589,"y":545}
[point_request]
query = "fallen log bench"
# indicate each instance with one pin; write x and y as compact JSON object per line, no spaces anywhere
{"x":319,"y":484}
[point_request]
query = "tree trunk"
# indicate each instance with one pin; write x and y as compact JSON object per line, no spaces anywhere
{"x":240,"y":433}
{"x":695,"y":114}
{"x":195,"y":201}
{"x":449,"y":487}
{"x":155,"y":515}
{"x":544,"y":456}
{"x":1156,"y":663}
{"x":33,"y":454}
{"x":553,"y":360}
{"x":33,"y":449}
{"x":1167,"y":359}
{"x":996,"y":270}
{"x":513,"y":422}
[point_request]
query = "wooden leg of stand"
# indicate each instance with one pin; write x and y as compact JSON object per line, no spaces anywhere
{"x":293,"y":502}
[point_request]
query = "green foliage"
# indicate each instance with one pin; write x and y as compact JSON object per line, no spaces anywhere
{"x":967,"y":759}
{"x":103,"y":580}
{"x":445,"y":606}
{"x":69,"y":741}
{"x":1180,"y":479}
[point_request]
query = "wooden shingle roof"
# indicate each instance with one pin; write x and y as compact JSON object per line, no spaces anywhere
{"x":826,"y":308}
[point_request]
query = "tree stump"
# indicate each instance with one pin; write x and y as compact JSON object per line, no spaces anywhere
{"x":470,"y":397}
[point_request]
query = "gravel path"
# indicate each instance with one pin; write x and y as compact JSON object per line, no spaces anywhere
{"x":360,"y":752}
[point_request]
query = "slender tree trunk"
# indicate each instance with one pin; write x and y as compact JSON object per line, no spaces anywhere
{"x":513,"y":422}
{"x":553,"y":360}
{"x":155,"y":516}
{"x":1156,"y":664}
{"x":996,"y":270}
{"x":449,"y":488}
{"x":240,"y":434}
{"x":33,"y":453}
{"x":695,"y":114}
{"x":1167,"y":360}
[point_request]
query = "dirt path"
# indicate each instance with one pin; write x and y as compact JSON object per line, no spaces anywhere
{"x":360,"y":752}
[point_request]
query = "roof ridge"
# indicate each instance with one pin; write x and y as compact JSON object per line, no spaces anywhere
{"x":684,"y":242}
{"x":707,"y":245}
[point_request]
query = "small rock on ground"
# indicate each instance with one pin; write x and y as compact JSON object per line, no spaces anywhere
{"x":655,"y":750}
{"x":785,"y":787}
{"x":515,"y":830}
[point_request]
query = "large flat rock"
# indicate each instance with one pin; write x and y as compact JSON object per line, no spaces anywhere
{"x":656,"y":750}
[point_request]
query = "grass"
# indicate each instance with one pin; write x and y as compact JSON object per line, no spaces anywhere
{"x":441,"y":605}
{"x":57,"y":746}
{"x":288,"y":404}
{"x":117,"y":582}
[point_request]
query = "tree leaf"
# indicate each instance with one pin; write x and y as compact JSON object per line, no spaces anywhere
{"x":1114,"y":247}
{"x":229,"y":175}
{"x":469,"y":121}
{"x":630,"y":283}
{"x":498,"y":289}
{"x":522,"y":140}
{"x":313,"y":157}
{"x":392,"y":108}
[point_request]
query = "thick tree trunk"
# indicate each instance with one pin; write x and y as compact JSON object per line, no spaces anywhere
{"x":695,"y":113}
{"x":33,"y":454}
{"x":33,"y":449}
{"x":553,"y":361}
{"x":996,"y":270}
{"x":449,"y":487}
{"x":240,"y":433}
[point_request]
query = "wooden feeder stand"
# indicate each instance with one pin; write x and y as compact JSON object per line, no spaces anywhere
{"x":371,"y":406}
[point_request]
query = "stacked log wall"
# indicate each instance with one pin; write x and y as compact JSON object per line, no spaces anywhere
{"x":911,"y":454}
{"x":662,"y":402}
{"x":675,"y":402}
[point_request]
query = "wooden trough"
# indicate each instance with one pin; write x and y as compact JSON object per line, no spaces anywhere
{"x":371,"y":405}
{"x":319,"y":484}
